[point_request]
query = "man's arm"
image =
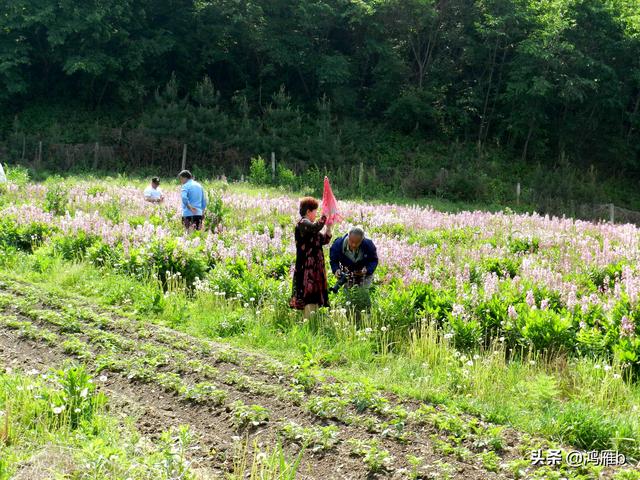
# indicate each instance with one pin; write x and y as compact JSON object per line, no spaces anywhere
{"x":334,"y":255}
{"x":372,"y":261}
{"x":185,"y":198}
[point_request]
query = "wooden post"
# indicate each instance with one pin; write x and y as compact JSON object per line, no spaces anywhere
{"x":39,"y":155}
{"x":612,"y":212}
{"x":95,"y":156}
{"x":518,"y":193}
{"x":184,"y":157}
{"x":273,"y":166}
{"x":361,"y":176}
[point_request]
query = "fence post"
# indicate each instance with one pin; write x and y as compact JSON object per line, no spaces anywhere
{"x":273,"y":166}
{"x":39,"y":155}
{"x":95,"y":155}
{"x":518,"y":193}
{"x":184,"y":157}
{"x":612,"y":212}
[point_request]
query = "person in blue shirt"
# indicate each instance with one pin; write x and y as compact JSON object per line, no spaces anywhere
{"x":194,"y":201}
{"x":354,"y":260}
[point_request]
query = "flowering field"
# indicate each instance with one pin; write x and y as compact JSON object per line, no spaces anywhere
{"x":544,"y":311}
{"x":531,"y":281}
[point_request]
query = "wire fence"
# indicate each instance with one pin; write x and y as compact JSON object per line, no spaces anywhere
{"x":132,"y":151}
{"x":595,"y":212}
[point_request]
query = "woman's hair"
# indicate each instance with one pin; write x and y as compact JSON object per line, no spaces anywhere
{"x":307,"y":204}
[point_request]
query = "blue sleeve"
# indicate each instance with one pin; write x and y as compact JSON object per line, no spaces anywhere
{"x":372,"y":262}
{"x":334,"y":254}
{"x":185,"y":196}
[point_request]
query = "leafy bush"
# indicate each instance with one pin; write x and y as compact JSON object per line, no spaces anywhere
{"x":317,"y":439}
{"x":591,"y":342}
{"x":72,"y":247}
{"x":503,"y":267}
{"x":466,"y":185}
{"x":376,"y":458}
{"x":400,"y":307}
{"x":23,"y":237}
{"x":104,"y":255}
{"x":111,"y":211}
{"x":248,"y":415}
{"x":627,"y":352}
{"x":95,"y":190}
{"x":606,"y":276}
{"x":77,"y":400}
{"x":56,"y":199}
{"x":216,"y":209}
{"x":524,"y":245}
{"x":286,"y":177}
{"x":167,"y":258}
{"x":258,"y":172}
{"x":17,"y":174}
{"x":467,"y":333}
{"x":205,"y":393}
{"x":548,"y":330}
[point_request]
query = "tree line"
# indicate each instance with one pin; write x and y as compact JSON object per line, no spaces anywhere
{"x":546,"y":81}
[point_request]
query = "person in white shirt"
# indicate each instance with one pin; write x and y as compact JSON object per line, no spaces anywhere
{"x":153,"y":193}
{"x":3,"y":177}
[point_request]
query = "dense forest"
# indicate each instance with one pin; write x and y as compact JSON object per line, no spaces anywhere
{"x":458,"y":97}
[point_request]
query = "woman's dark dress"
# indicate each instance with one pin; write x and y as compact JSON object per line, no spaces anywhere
{"x":310,"y":274}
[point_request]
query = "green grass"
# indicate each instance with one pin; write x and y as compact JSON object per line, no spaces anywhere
{"x":572,"y":403}
{"x":56,"y":425}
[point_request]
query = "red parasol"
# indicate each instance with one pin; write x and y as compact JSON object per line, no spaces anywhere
{"x":330,"y":204}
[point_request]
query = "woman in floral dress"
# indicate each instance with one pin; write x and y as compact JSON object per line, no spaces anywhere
{"x":310,"y":289}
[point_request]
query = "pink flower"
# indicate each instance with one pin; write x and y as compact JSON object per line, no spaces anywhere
{"x":627,"y":327}
{"x":531,"y":299}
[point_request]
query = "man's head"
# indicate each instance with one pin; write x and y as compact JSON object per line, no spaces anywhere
{"x":184,"y":176}
{"x":155,"y":182}
{"x":356,"y":235}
